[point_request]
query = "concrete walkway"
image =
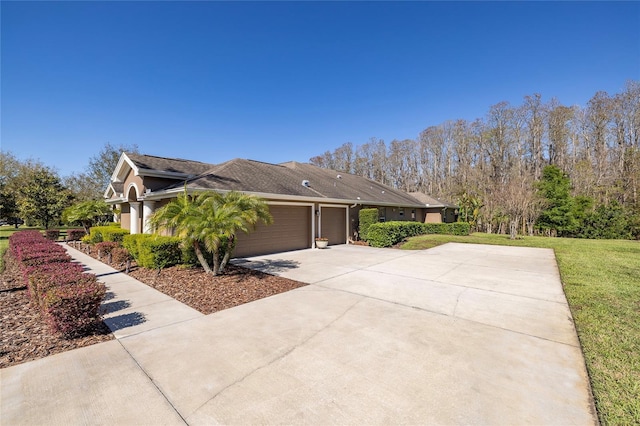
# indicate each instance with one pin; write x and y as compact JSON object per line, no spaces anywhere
{"x":460,"y":334}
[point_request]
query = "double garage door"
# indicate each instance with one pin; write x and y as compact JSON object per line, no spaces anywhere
{"x":290,"y":230}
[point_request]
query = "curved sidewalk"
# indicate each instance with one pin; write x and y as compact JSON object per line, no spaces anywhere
{"x":459,"y":334}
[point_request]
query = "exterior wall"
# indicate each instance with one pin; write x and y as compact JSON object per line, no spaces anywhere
{"x":450,"y":216}
{"x":125,"y":216}
{"x":137,"y":180}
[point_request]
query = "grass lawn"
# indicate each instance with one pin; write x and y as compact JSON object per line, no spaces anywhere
{"x":601,"y":280}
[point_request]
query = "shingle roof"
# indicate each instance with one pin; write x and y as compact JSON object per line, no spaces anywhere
{"x":173,"y":165}
{"x":430,"y":201}
{"x":287,"y":179}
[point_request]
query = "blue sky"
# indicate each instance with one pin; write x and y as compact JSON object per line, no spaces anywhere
{"x":279,"y":81}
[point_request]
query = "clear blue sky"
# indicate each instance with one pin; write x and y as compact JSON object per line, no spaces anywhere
{"x":279,"y":81}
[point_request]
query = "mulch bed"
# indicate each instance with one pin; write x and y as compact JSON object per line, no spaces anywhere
{"x":25,"y":337}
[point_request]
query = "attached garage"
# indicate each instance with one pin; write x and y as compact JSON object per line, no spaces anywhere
{"x":290,"y":230}
{"x":333,"y":224}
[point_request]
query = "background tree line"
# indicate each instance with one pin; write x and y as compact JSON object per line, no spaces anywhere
{"x":494,"y":165}
{"x":37,"y":195}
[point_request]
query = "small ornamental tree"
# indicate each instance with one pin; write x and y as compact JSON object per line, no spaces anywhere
{"x":86,"y":213}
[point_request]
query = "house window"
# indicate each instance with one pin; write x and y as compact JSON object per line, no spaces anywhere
{"x":413,"y":214}
{"x":401,"y":212}
{"x":381,"y":214}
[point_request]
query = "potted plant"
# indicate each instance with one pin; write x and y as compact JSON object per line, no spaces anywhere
{"x":322,"y":242}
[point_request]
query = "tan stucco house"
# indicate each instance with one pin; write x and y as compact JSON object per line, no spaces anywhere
{"x":305,"y":201}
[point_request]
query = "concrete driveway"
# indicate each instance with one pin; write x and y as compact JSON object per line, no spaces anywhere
{"x":459,"y":334}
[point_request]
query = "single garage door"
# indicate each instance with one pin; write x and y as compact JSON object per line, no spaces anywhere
{"x":333,"y":224}
{"x":290,"y":230}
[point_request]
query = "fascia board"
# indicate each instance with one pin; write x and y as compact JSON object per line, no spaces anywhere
{"x":159,"y":195}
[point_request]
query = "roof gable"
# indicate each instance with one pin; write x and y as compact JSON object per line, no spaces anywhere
{"x":150,"y":165}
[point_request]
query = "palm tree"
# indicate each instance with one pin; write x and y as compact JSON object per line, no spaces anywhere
{"x":234,"y":212}
{"x":210,"y":221}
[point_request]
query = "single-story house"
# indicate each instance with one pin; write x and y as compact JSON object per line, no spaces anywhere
{"x":437,"y":211}
{"x":305,"y":201}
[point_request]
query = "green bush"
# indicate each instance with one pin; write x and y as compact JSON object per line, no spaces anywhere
{"x":132,"y":243}
{"x":386,"y":234}
{"x":456,"y":228}
{"x":114,"y":234}
{"x":154,"y":251}
{"x":99,"y":234}
{"x":367,"y":217}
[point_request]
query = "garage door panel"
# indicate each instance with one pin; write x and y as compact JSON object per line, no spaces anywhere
{"x":334,"y":224}
{"x":290,"y":230}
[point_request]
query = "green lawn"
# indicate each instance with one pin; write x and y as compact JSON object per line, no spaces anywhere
{"x":601,"y":280}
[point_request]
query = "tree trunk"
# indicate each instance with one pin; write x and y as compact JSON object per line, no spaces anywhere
{"x":216,"y":262}
{"x":513,"y":228}
{"x":227,"y":254}
{"x":201,"y":258}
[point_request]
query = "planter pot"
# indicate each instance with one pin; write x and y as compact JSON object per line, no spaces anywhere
{"x":322,"y":244}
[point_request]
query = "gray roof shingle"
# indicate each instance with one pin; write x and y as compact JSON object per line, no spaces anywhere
{"x":173,"y":165}
{"x":286,"y":179}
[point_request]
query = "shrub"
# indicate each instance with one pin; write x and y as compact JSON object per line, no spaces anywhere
{"x":367,"y":217}
{"x":114,"y":234}
{"x":120,"y":255}
{"x":52,"y":234}
{"x":132,"y":243}
{"x":43,"y":277}
{"x":106,"y":247}
{"x":99,"y":234}
{"x":457,"y":228}
{"x":154,"y":251}
{"x":75,"y":234}
{"x":70,"y":308}
{"x":386,"y":234}
{"x":69,"y":298}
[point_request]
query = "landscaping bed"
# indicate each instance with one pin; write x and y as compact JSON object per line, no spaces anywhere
{"x":26,"y":337}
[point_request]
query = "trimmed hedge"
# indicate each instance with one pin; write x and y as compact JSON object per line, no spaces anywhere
{"x":71,"y":308}
{"x":75,"y":234}
{"x":99,"y":234}
{"x":68,"y":298}
{"x":154,"y":251}
{"x":455,"y":228}
{"x":386,"y":234}
{"x":52,"y":234}
{"x":366,"y":217}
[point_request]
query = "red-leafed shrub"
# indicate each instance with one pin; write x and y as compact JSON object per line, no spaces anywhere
{"x":42,"y":277}
{"x":52,"y":234}
{"x":71,"y":308}
{"x":75,"y":234}
{"x":120,"y":255}
{"x":68,"y":298}
{"x":40,"y":253}
{"x":106,"y":247}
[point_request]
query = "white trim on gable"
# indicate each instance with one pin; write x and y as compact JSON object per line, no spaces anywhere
{"x":120,"y":174}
